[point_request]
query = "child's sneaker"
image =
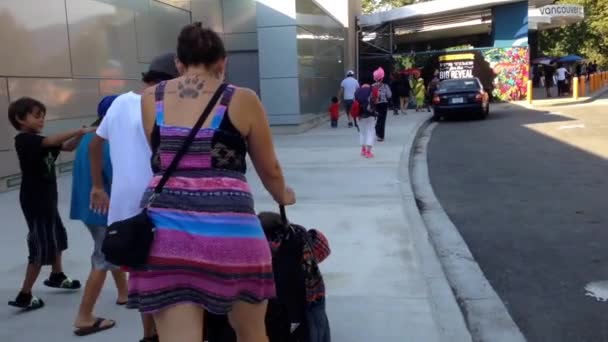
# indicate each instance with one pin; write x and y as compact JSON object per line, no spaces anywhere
{"x":363,"y":152}
{"x":369,"y":154}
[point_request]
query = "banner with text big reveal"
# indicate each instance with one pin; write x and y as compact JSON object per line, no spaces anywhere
{"x":503,"y":71}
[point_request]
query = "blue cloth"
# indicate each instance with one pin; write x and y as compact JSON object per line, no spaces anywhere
{"x":82,"y":183}
{"x":318,"y":324}
{"x":104,"y":105}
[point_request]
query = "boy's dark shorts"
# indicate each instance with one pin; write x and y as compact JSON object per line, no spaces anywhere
{"x":46,"y":238}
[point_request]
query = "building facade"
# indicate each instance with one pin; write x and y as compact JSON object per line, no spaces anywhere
{"x":70,"y":53}
{"x":452,"y":39}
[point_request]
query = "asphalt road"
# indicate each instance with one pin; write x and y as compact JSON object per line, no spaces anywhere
{"x":528,"y":191}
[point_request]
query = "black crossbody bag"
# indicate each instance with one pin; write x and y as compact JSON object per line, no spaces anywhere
{"x":128,"y":242}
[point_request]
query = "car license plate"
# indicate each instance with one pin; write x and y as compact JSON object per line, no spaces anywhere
{"x":457,"y":100}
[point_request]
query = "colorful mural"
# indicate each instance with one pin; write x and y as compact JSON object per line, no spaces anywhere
{"x":511,"y":67}
{"x":502,"y":71}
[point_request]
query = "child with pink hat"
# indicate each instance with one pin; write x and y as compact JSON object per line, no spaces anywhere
{"x":379,"y":99}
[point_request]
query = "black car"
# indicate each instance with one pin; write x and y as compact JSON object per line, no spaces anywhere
{"x":464,"y":96}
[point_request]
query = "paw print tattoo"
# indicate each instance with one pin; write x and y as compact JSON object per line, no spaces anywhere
{"x":190,"y":87}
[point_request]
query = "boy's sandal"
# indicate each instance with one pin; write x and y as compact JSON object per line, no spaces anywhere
{"x":67,"y":284}
{"x":96,"y":327}
{"x":34,"y":304}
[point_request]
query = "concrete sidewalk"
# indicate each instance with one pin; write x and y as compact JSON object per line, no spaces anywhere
{"x":544,"y":102}
{"x":377,"y":288}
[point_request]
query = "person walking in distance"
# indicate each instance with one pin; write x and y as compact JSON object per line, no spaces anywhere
{"x":347,"y":93}
{"x":47,"y":237}
{"x":209,"y":253}
{"x":403,"y":92}
{"x":394,"y":84}
{"x":562,"y":75}
{"x":334,"y":112}
{"x":130,"y":155}
{"x":86,"y":323}
{"x":420,"y":92}
{"x":380,"y":96}
{"x":432,"y":88}
{"x":549,"y":75}
{"x":367,"y":121}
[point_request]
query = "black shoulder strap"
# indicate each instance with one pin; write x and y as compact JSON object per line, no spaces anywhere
{"x":190,"y":138}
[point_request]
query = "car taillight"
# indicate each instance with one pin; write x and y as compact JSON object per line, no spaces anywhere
{"x":479,"y":97}
{"x":436,"y":100}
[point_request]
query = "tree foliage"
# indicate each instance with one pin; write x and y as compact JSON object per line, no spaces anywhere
{"x":371,"y":6}
{"x":588,"y":38}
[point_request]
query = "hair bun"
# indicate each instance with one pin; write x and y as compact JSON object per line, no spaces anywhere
{"x":199,"y":45}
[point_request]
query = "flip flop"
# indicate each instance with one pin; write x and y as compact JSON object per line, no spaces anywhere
{"x":34,"y":304}
{"x":67,"y":284}
{"x":121,"y":303}
{"x":95,"y":328}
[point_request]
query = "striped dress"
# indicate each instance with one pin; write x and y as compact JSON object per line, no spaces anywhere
{"x":209,"y":248}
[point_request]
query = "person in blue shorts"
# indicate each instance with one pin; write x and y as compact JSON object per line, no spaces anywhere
{"x":86,"y":323}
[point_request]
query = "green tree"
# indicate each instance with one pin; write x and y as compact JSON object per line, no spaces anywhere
{"x":588,"y":38}
{"x":370,"y":6}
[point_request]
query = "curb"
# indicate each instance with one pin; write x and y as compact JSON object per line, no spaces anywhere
{"x":445,"y":310}
{"x":573,"y":102}
{"x":486,"y":315}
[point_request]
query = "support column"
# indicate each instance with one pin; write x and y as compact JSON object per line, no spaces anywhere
{"x":278,"y":51}
{"x":533,"y":44}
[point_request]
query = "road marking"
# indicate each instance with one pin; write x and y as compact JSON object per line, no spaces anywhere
{"x":571,"y":127}
{"x":597,"y":290}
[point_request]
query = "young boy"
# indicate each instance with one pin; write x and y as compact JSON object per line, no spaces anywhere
{"x":334,"y":112}
{"x":314,"y":250}
{"x":86,"y":322}
{"x":47,"y":237}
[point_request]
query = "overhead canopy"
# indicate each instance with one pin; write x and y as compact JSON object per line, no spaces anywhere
{"x":429,"y":9}
{"x":553,"y":16}
{"x":542,"y":14}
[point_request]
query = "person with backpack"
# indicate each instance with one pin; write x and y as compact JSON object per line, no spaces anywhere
{"x":366,"y":120}
{"x":378,"y":102}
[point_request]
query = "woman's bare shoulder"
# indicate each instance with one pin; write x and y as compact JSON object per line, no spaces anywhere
{"x":245,"y":93}
{"x":245,"y":98}
{"x":245,"y":109}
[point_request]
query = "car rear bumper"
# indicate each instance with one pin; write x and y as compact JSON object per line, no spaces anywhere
{"x":464,"y":109}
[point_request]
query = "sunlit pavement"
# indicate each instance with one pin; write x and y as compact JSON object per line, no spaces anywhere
{"x":375,"y":288}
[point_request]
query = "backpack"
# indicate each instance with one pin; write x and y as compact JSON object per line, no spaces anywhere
{"x":374,"y":98}
{"x":362,"y":98}
{"x":355,"y":109}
